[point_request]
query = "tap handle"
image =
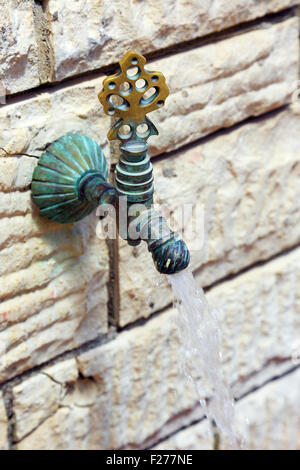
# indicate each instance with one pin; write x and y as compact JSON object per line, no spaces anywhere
{"x":130,"y":94}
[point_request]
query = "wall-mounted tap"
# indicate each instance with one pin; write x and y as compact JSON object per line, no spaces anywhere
{"x":70,"y":180}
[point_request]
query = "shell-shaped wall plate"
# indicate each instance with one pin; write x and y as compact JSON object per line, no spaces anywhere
{"x":56,"y":178}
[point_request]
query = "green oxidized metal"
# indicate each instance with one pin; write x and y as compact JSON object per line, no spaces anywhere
{"x":169,"y":251}
{"x":134,"y":180}
{"x":70,"y":180}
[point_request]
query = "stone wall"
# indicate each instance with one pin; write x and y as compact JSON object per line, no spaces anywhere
{"x":89,"y":349}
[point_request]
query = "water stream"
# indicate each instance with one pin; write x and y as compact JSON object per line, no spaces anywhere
{"x":200,"y":335}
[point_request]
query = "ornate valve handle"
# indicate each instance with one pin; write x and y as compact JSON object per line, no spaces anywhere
{"x":127,"y":95}
{"x":70,"y":180}
{"x":130,"y":87}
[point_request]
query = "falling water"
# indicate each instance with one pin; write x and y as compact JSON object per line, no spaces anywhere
{"x":201,"y":339}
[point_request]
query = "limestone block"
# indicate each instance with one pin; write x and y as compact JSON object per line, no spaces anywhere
{"x":89,"y":35}
{"x":38,"y":397}
{"x":131,"y":392}
{"x":28,"y":125}
{"x":269,"y":418}
{"x":196,"y":437}
{"x":19,"y":59}
{"x":45,"y":395}
{"x":259,"y":316}
{"x":64,"y":372}
{"x":15,"y":174}
{"x":54,"y":296}
{"x":3,"y":426}
{"x":243,"y":187}
{"x":53,"y":277}
{"x":225,"y":82}
{"x":15,"y":203}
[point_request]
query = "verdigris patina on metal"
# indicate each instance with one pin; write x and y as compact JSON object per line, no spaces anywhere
{"x":70,"y":180}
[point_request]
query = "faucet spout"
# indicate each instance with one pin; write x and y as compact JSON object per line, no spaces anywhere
{"x":169,"y":252}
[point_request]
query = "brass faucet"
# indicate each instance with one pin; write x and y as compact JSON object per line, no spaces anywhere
{"x":70,"y":179}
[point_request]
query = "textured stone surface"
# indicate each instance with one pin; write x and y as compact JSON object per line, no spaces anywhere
{"x":16,"y":174}
{"x":130,"y":392}
{"x":259,"y":315}
{"x":39,"y":397}
{"x":53,"y":298}
{"x":195,"y":437}
{"x":90,"y":34}
{"x":220,"y":84}
{"x":225,"y":82}
{"x":53,"y":292}
{"x":269,"y":418}
{"x":245,"y":185}
{"x":28,"y":125}
{"x":19,"y":50}
{"x":3,"y":425}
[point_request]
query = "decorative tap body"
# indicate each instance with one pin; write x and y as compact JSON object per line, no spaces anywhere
{"x":70,"y":179}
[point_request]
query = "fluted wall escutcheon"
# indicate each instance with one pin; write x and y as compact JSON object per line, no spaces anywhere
{"x":61,"y":178}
